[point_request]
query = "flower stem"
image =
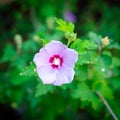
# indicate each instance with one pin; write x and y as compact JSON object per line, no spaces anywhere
{"x":68,"y":43}
{"x":107,"y":105}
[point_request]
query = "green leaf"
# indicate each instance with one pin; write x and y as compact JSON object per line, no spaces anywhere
{"x":65,"y":26}
{"x":82,"y":91}
{"x":9,"y":53}
{"x":29,"y":45}
{"x":94,"y":100}
{"x":16,"y":79}
{"x":115,"y":62}
{"x":86,"y":94}
{"x":81,"y":46}
{"x":71,"y":27}
{"x":82,"y":71}
{"x":95,"y":38}
{"x":106,"y":59}
{"x":44,"y":41}
{"x":29,"y":70}
{"x":116,"y":83}
{"x":76,"y":45}
{"x":87,"y":44}
{"x":114,"y":45}
{"x":89,"y":58}
{"x":43,"y":89}
{"x":84,"y":49}
{"x":103,"y":64}
{"x":103,"y":88}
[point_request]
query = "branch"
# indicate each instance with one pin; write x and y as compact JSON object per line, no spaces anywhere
{"x":107,"y":105}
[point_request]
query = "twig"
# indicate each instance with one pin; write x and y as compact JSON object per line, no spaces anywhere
{"x":107,"y":105}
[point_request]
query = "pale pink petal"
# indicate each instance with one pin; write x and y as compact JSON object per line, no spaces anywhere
{"x":64,"y":76}
{"x":68,"y":71}
{"x":41,"y":58}
{"x":44,"y":61}
{"x":55,"y":47}
{"x":47,"y":74}
{"x":70,"y":56}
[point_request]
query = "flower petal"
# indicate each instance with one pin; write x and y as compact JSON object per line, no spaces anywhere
{"x":65,"y":75}
{"x":55,"y":47}
{"x":70,"y":57}
{"x":41,"y":58}
{"x":47,"y":74}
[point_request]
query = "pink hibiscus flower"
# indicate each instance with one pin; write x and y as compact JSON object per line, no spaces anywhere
{"x":55,"y":63}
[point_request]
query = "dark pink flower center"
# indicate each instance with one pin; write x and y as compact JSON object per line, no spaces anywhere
{"x":56,"y":61}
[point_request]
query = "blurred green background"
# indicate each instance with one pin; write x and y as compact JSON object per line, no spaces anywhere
{"x":22,"y":24}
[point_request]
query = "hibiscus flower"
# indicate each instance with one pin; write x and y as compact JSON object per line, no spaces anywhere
{"x":55,"y":63}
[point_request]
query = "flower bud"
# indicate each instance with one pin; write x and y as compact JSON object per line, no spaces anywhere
{"x":105,"y":41}
{"x":70,"y":36}
{"x":36,"y":38}
{"x":18,"y":40}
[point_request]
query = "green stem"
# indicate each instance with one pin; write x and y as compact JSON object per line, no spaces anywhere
{"x":68,"y":43}
{"x":107,"y":105}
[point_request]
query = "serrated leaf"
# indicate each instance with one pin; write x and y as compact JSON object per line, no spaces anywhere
{"x":29,"y":70}
{"x":87,"y":44}
{"x":65,"y":26}
{"x":95,"y":38}
{"x":82,"y":71}
{"x":43,"y":89}
{"x":76,"y":45}
{"x":89,"y":58}
{"x":71,"y":27}
{"x":45,"y":41}
{"x":82,"y":91}
{"x":61,"y":25}
{"x":81,"y":46}
{"x":103,"y":64}
{"x":86,"y":94}
{"x":103,"y":88}
{"x":114,"y":45}
{"x":94,"y":100}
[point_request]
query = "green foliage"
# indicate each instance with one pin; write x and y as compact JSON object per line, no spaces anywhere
{"x":43,"y":89}
{"x":97,"y":69}
{"x":65,"y":26}
{"x":81,"y":46}
{"x":95,"y":38}
{"x":29,"y":70}
{"x":8,"y":56}
{"x":103,"y":88}
{"x":84,"y":92}
{"x":85,"y":50}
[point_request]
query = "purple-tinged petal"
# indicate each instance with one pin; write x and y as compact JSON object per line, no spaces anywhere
{"x":65,"y":75}
{"x":47,"y":74}
{"x":55,"y":47}
{"x":55,"y":63}
{"x":70,"y":56}
{"x":41,"y":58}
{"x":68,"y":71}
